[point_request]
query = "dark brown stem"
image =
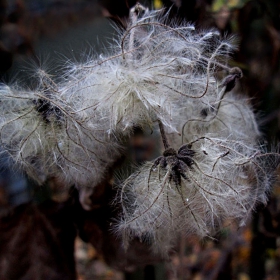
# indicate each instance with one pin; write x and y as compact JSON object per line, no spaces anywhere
{"x":163,"y":135}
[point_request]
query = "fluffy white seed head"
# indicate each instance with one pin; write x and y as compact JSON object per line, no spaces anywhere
{"x":224,"y":183}
{"x":150,"y":70}
{"x":46,"y":138}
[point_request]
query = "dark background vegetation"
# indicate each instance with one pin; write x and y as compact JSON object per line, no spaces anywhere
{"x":44,"y":231}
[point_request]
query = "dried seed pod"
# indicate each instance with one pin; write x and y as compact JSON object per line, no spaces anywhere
{"x":197,"y":190}
{"x":45,"y":138}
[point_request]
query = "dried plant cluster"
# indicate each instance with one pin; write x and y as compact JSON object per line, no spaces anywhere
{"x":165,"y":76}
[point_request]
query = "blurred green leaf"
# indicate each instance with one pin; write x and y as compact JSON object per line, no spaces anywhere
{"x":229,"y":4}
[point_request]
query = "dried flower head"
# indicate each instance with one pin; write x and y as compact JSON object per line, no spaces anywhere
{"x":46,"y":138}
{"x":151,"y":69}
{"x":197,"y":190}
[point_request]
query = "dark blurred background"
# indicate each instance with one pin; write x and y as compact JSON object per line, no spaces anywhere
{"x":44,"y":231}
